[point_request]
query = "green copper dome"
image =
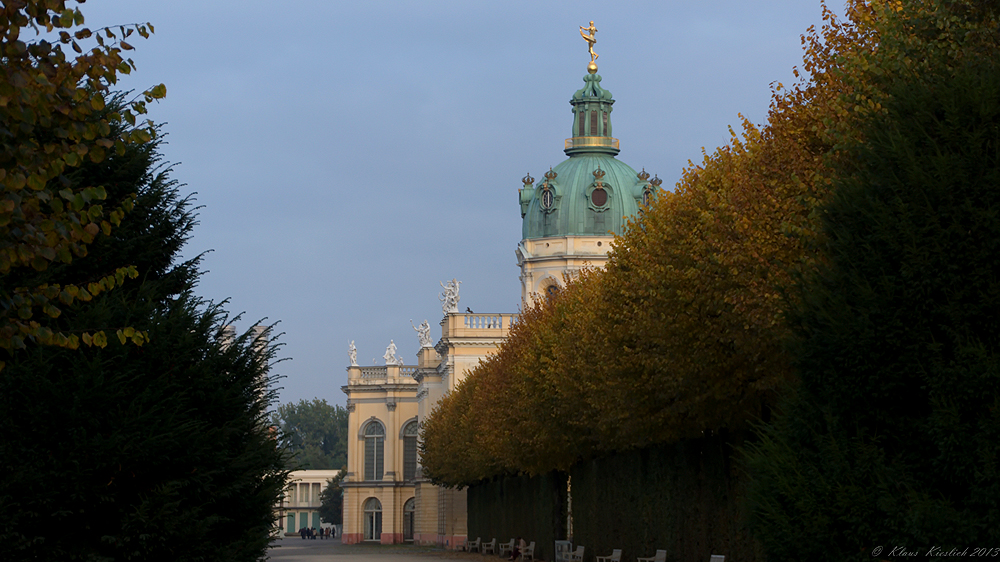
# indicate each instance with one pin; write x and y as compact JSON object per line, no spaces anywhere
{"x":592,"y":193}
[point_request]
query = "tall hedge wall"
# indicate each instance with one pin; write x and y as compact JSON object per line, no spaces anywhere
{"x":684,"y":497}
{"x":533,"y":508}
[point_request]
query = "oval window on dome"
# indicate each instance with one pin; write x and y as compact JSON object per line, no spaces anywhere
{"x":547,"y":199}
{"x":599,"y":197}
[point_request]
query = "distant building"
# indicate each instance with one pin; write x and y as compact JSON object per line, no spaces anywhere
{"x":569,"y":220}
{"x":300,"y":505}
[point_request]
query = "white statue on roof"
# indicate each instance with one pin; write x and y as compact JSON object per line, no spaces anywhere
{"x":352,"y":352}
{"x":423,"y":333}
{"x":390,"y":355}
{"x":449,"y":297}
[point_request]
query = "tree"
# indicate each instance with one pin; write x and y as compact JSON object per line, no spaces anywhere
{"x":891,"y":437}
{"x":54,"y":119}
{"x":331,"y":508}
{"x":314,"y":432}
{"x":683,"y":332}
{"x":124,"y":452}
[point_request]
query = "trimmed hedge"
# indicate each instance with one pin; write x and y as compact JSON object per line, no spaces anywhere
{"x":685,"y":497}
{"x":533,"y":508}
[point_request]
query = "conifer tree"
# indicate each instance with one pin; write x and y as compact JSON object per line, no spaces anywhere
{"x":892,"y":438}
{"x":153,"y":452}
{"x":331,"y":509}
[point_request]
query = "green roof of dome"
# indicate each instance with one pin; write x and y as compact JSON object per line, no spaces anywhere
{"x":592,"y":90}
{"x":592,"y":193}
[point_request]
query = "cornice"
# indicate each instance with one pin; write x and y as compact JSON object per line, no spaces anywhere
{"x":377,"y":484}
{"x":370,"y":388}
{"x":465,"y":342}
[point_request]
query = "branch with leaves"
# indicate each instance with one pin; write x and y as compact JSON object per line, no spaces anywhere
{"x":53,"y":118}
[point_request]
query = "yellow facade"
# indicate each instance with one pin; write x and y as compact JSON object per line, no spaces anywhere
{"x":395,"y":396}
{"x":466,"y":339}
{"x":378,"y":487}
{"x":545,"y":262}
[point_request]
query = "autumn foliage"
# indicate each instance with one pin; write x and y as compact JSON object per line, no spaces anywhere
{"x":55,"y":79}
{"x":681,"y":333}
{"x":684,"y":333}
{"x":891,"y":436}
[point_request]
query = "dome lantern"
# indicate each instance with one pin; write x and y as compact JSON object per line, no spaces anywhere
{"x":592,"y":119}
{"x":570,"y":218}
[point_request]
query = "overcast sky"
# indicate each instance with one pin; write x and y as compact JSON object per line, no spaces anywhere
{"x":352,"y":155}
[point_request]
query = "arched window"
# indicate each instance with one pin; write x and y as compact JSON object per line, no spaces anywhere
{"x":410,"y":451}
{"x":374,"y":444}
{"x":373,"y":519}
{"x":552,"y":290}
{"x":408,"y":509}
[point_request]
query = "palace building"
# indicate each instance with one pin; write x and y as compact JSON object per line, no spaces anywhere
{"x":568,"y":222}
{"x":299,"y":507}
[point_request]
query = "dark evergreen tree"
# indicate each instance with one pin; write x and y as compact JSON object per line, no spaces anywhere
{"x":892,"y":438}
{"x":331,"y":509}
{"x":154,"y":452}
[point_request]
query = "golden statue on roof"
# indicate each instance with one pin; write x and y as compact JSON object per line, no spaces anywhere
{"x":590,"y":39}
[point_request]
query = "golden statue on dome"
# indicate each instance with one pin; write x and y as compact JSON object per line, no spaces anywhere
{"x":590,"y":39}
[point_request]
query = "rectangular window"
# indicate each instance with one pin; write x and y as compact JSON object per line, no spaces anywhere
{"x":370,"y":458}
{"x":409,"y":458}
{"x":593,"y":124}
{"x":373,"y":458}
{"x":581,"y":119}
{"x":604,"y":118}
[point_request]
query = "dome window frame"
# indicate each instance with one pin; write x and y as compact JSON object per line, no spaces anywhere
{"x":547,"y":198}
{"x":599,"y":184}
{"x":548,"y":194}
{"x":608,"y":189}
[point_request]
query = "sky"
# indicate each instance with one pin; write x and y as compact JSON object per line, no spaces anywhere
{"x":351,"y":156}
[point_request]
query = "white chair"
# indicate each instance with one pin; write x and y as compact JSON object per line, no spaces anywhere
{"x":717,"y":558}
{"x":529,"y":553}
{"x":490,"y":546}
{"x":577,"y":555}
{"x":616,"y":556}
{"x":473,"y":545}
{"x":660,"y":556}
{"x":506,"y":547}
